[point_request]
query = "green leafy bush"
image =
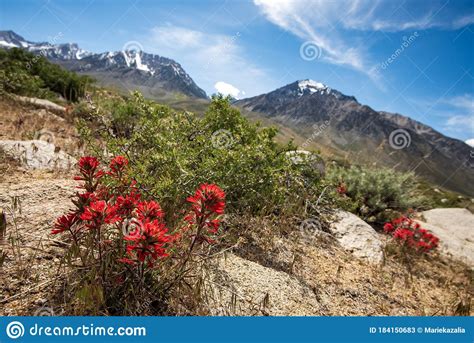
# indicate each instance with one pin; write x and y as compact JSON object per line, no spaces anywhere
{"x":24,"y":73}
{"x":375,"y":195}
{"x":171,"y":153}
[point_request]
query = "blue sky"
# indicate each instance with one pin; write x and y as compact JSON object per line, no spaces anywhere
{"x":411,"y":57}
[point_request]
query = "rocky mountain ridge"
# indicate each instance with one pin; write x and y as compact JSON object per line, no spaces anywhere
{"x":129,"y":68}
{"x":327,"y":117}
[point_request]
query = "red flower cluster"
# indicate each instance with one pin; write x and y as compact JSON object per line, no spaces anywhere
{"x":207,"y":203}
{"x":410,"y":233}
{"x":104,"y":206}
{"x":147,"y":242}
{"x":98,"y":213}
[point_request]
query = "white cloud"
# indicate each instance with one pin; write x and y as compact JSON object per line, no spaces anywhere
{"x":461,"y":118}
{"x":208,"y":58}
{"x":308,"y":20}
{"x":227,"y":89}
{"x":461,"y":121}
{"x":470,"y":142}
{"x":465,"y":103}
{"x":327,"y":23}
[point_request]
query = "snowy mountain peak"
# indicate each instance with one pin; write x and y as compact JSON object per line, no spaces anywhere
{"x":310,"y":86}
{"x":133,"y":58}
{"x":152,"y":71}
{"x":10,"y":39}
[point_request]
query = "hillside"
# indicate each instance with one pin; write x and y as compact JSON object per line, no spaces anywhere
{"x":118,"y":205}
{"x":274,"y":269}
{"x":328,"y":118}
{"x":314,"y":115}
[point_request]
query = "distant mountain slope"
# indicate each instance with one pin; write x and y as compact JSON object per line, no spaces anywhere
{"x":330,"y":119}
{"x":154,"y":75}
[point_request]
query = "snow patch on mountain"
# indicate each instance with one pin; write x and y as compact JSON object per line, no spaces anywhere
{"x":7,"y":44}
{"x":310,"y":86}
{"x":140,"y":65}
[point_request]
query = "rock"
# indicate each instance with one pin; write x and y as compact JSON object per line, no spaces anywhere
{"x":444,"y":200}
{"x":358,"y":237}
{"x":42,"y":103}
{"x":258,"y":290}
{"x":455,"y":229}
{"x":37,"y":154}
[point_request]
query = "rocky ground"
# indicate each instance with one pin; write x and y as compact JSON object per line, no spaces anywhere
{"x":306,"y":271}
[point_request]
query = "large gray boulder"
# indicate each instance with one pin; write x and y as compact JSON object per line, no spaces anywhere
{"x":356,"y":236}
{"x":37,"y":154}
{"x":455,"y":229}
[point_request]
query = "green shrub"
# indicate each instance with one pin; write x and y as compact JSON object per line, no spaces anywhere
{"x":24,"y":73}
{"x":375,"y":194}
{"x":171,"y":153}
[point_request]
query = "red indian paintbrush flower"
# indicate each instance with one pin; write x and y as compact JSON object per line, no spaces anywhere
{"x":98,"y":212}
{"x":147,"y":242}
{"x":207,"y":202}
{"x":341,"y":189}
{"x":150,"y":210}
{"x":117,"y":165}
{"x":64,"y":223}
{"x":388,"y":227}
{"x":208,"y":199}
{"x":88,"y":168}
{"x":105,"y":203}
{"x":409,"y":233}
{"x":127,"y":204}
